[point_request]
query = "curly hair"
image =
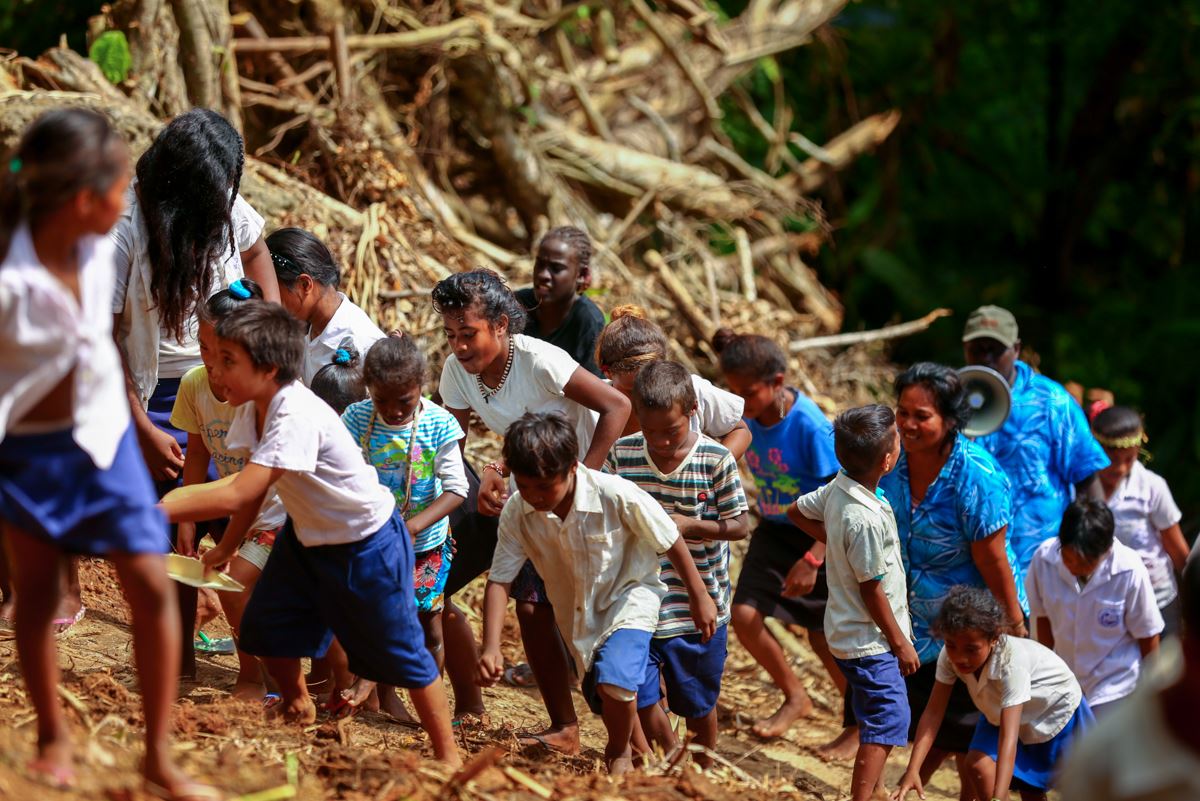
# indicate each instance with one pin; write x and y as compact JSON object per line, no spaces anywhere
{"x":481,"y":291}
{"x":970,"y":609}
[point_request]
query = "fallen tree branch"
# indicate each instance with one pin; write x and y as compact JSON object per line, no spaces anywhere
{"x":676,"y":54}
{"x":700,"y":324}
{"x":876,"y":335}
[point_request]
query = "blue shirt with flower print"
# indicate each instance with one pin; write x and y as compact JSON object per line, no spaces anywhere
{"x":791,"y":458}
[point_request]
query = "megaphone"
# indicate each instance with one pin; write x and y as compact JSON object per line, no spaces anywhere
{"x":989,"y":397}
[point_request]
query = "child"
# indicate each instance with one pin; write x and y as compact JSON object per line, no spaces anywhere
{"x":203,"y":413}
{"x":870,"y":634}
{"x":559,"y":312}
{"x":597,"y":540}
{"x":630,"y":341}
{"x":413,"y":445}
{"x":791,"y":454}
{"x":1032,"y":705}
{"x":71,"y":478}
{"x":695,"y":480}
{"x":340,"y":382}
{"x":500,"y":374}
{"x":1091,"y":600}
{"x":343,"y":562}
{"x":308,"y":283}
{"x":1147,"y":519}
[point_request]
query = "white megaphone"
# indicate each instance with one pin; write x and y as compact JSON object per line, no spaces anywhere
{"x":989,"y":397}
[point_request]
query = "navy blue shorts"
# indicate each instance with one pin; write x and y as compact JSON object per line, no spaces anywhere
{"x":362,"y":592}
{"x":50,"y":488}
{"x":620,"y":661}
{"x":878,"y":697}
{"x":1036,"y":765}
{"x":691,"y":670}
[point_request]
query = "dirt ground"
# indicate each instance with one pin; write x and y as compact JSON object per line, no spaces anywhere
{"x":369,"y":759}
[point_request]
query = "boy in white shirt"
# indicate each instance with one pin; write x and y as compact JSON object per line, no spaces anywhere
{"x":866,"y":619}
{"x":1092,"y":602}
{"x":343,"y":564}
{"x":596,"y":540}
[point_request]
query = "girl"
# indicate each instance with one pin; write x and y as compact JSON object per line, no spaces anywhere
{"x":791,"y":454}
{"x":340,"y":383}
{"x":500,"y":375}
{"x":630,"y":342}
{"x":202,"y":412}
{"x":1146,"y":516}
{"x":559,"y":312}
{"x":71,"y":478}
{"x":413,"y":445}
{"x":308,"y":281}
{"x":1031,"y":703}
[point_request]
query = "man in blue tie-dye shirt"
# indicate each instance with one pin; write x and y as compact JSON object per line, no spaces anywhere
{"x":1045,"y":446}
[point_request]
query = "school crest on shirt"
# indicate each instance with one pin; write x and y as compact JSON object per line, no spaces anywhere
{"x":1109,"y":617}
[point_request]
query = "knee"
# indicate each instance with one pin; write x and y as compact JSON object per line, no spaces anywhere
{"x":745,"y":618}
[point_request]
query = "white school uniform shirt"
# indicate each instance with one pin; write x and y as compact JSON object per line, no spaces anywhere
{"x":45,"y":333}
{"x":1142,"y":506}
{"x":1096,"y":627}
{"x":862,"y":544}
{"x":600,"y":564}
{"x":348,"y":322}
{"x":535,"y":383}
{"x":717,"y":411}
{"x":332,"y":495}
{"x":152,"y":352}
{"x":1021,"y":671}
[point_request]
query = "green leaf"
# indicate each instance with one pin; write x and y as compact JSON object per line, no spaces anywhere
{"x":110,"y":51}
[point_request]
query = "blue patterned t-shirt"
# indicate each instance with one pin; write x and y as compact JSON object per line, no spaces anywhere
{"x":968,"y":501}
{"x":791,"y":458}
{"x":1045,"y":447}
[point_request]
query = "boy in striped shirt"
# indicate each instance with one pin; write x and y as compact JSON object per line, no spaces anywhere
{"x":696,"y":481}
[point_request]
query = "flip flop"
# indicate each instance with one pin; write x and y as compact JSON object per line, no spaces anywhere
{"x":194,"y":790}
{"x":520,"y":676}
{"x":220,"y":645}
{"x":271,"y":699}
{"x":63,"y":624}
{"x":338,"y":707}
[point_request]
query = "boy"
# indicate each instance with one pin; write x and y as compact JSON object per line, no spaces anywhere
{"x":596,"y":540}
{"x":343,"y":563}
{"x":866,"y":619}
{"x":696,"y":481}
{"x":1092,"y":601}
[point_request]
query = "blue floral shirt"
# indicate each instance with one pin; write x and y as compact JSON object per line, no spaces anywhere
{"x":1045,"y":448}
{"x":791,"y":458}
{"x":968,"y":501}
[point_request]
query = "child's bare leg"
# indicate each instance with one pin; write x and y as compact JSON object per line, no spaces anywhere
{"x":70,"y":602}
{"x":186,"y":601}
{"x":431,"y":624}
{"x":296,"y":705}
{"x":704,"y":732}
{"x":36,"y":577}
{"x":6,"y":587}
{"x":433,"y":710}
{"x":753,"y":634}
{"x":552,"y":668}
{"x":981,"y":770}
{"x":868,"y":768}
{"x":461,"y":658}
{"x":339,"y":668}
{"x":657,"y":728}
{"x":391,"y":705}
{"x":318,"y":675}
{"x":618,"y":719}
{"x":845,"y":745}
{"x":249,"y":685}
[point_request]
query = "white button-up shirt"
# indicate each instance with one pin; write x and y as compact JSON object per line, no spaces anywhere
{"x":348,"y":322}
{"x":1096,"y":627}
{"x":600,"y":564}
{"x":45,"y":333}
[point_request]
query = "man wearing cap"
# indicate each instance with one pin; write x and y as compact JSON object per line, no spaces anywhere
{"x":1045,"y":446}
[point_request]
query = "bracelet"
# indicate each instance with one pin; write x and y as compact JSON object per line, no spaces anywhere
{"x":497,"y":467}
{"x":812,"y":560}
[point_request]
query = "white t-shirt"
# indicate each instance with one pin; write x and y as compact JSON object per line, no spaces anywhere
{"x":348,"y":322}
{"x":1142,"y":508}
{"x":1021,"y":671}
{"x":332,"y":495}
{"x":536,"y":382}
{"x":717,"y":411}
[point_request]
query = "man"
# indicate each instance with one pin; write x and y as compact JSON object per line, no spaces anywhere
{"x":1045,"y":446}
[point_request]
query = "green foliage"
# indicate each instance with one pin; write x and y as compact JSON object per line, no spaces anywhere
{"x":110,"y":51}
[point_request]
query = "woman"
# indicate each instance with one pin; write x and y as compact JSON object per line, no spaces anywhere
{"x":953,"y":506}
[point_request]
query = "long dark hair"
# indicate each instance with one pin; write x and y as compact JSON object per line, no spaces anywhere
{"x":188,"y":180}
{"x":296,"y":252}
{"x":62,"y":152}
{"x":949,"y":395}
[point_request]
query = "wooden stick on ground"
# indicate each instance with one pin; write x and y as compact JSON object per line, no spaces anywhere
{"x":859,"y":337}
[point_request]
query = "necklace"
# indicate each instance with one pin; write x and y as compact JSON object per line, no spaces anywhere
{"x":486,"y":391}
{"x":412,"y":452}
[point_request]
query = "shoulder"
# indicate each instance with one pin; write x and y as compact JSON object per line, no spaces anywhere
{"x":588,"y":311}
{"x":543,"y":354}
{"x":193,"y":381}
{"x":977,"y":464}
{"x":1048,"y":554}
{"x":437,"y":418}
{"x":709,"y":450}
{"x":1127,"y":560}
{"x":526,"y":298}
{"x":358,"y":411}
{"x":246,"y":218}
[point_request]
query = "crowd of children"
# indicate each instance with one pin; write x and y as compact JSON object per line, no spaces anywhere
{"x":153,"y":338}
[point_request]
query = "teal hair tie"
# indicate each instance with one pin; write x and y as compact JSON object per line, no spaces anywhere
{"x":15,"y":165}
{"x":239,"y":290}
{"x":341,"y":356}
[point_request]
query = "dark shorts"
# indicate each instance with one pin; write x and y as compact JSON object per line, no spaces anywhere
{"x":774,"y":548}
{"x":690,"y":669}
{"x":361,"y":592}
{"x":1036,"y":766}
{"x":878,"y":697}
{"x":620,"y":661}
{"x":50,"y":488}
{"x":430,"y":570}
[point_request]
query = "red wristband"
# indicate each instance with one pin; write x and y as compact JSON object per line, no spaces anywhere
{"x":812,"y":560}
{"x":497,"y":468}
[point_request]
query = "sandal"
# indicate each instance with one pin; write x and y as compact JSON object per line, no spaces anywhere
{"x":220,"y":645}
{"x":63,"y":624}
{"x":520,"y":676}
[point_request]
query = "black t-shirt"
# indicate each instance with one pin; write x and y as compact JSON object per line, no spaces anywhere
{"x":578,"y":333}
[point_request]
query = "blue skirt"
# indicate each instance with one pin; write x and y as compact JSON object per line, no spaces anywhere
{"x":1036,"y":765}
{"x":50,"y":488}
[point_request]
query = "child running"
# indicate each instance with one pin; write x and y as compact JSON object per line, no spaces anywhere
{"x":695,"y":480}
{"x":343,"y":563}
{"x":783,"y":574}
{"x":1147,"y":519}
{"x":413,"y":445}
{"x":203,"y":413}
{"x":597,"y":540}
{"x":1032,"y":706}
{"x":870,"y":632}
{"x":72,"y":480}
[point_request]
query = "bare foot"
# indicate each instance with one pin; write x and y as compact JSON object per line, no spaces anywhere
{"x":301,"y":711}
{"x":245,"y":690}
{"x":171,"y":784}
{"x":842,"y":747}
{"x":620,"y":766}
{"x":355,"y":696}
{"x":6,"y":611}
{"x":561,"y":739}
{"x":54,"y":765}
{"x":391,"y":705}
{"x":794,"y":708}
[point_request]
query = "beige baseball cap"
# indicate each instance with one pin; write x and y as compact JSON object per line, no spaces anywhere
{"x":992,"y":322}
